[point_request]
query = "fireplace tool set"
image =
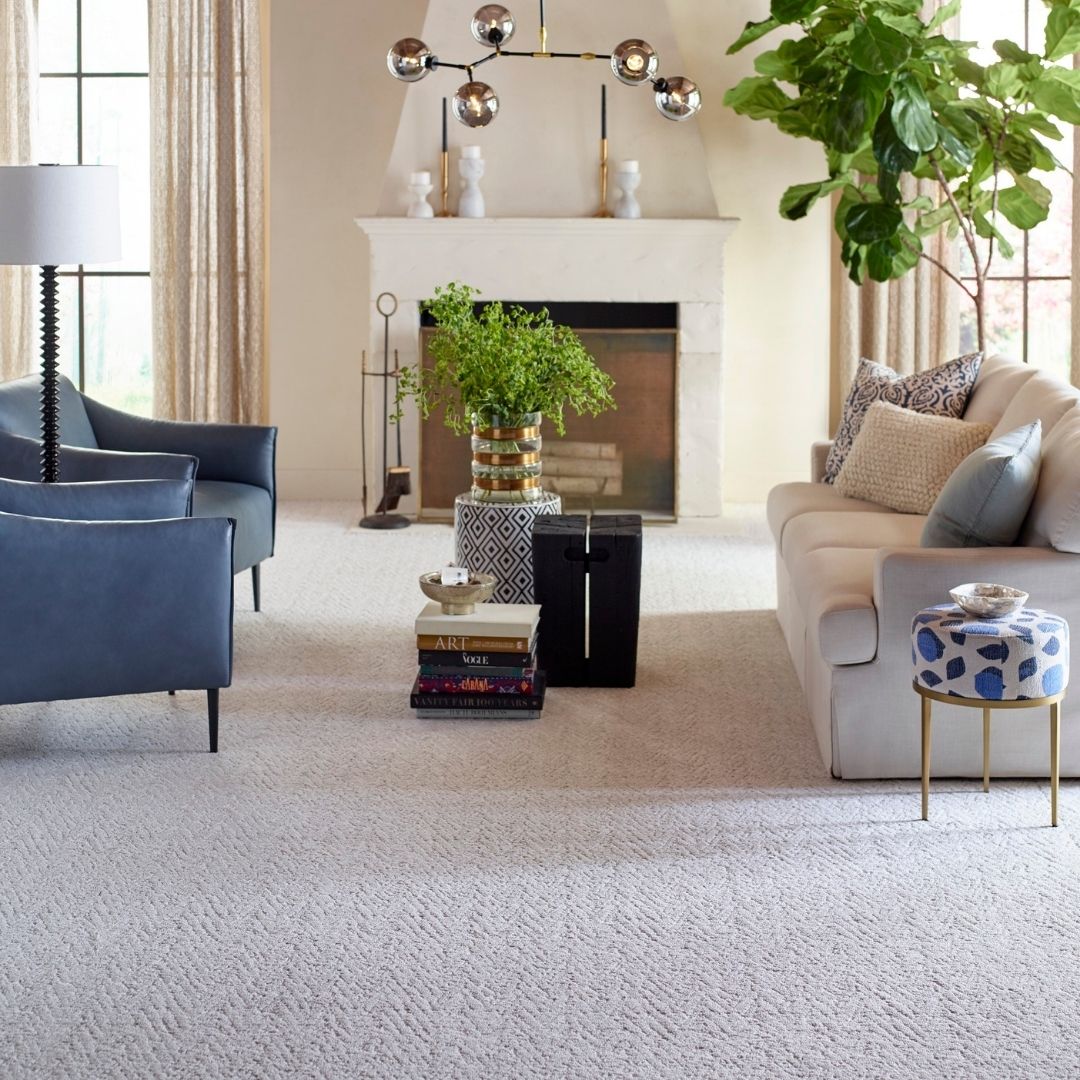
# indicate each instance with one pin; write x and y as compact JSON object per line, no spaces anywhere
{"x":397,"y":478}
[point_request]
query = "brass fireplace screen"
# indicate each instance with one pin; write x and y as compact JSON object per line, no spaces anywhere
{"x":619,"y":461}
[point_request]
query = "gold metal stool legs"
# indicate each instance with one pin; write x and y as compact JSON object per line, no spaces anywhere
{"x":926,"y":759}
{"x":1055,"y":759}
{"x":986,"y":749}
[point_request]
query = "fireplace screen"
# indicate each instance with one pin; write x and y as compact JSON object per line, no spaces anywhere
{"x":619,"y":461}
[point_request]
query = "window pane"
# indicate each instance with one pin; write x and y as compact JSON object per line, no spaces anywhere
{"x":56,"y":35}
{"x":1049,"y":326}
{"x":1037,"y":15}
{"x":118,"y":340}
{"x":1051,"y":242}
{"x":985,"y":21}
{"x":58,"y":116}
{"x":116,"y":131}
{"x":1000,"y":266}
{"x":1004,"y":320}
{"x":115,"y":35}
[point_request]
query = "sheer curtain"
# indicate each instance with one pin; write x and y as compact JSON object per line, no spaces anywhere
{"x":18,"y":94}
{"x":207,"y":205}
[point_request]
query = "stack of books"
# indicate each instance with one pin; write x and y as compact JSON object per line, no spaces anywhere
{"x":480,"y":666}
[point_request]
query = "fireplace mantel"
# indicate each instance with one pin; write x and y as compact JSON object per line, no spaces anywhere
{"x":657,"y":260}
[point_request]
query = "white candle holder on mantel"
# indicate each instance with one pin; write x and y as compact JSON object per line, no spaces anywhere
{"x":471,"y":170}
{"x":420,"y":187}
{"x":627,"y":180}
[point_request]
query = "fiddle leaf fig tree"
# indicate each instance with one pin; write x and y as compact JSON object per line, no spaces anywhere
{"x":890,"y":97}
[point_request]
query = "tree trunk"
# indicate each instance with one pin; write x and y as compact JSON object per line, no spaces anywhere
{"x":980,"y":318}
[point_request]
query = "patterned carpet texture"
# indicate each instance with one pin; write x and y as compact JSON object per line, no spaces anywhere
{"x":651,"y":884}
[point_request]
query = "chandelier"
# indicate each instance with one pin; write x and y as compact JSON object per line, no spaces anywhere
{"x":476,"y":104}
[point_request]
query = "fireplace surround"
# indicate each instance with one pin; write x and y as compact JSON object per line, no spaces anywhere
{"x":571,"y":260}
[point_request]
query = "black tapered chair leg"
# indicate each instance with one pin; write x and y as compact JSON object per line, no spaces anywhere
{"x":212,"y":709}
{"x":172,"y":693}
{"x":255,"y":586}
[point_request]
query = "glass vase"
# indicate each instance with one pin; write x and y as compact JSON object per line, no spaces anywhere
{"x":506,"y":464}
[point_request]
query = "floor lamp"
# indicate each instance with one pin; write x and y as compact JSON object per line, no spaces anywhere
{"x":52,"y":216}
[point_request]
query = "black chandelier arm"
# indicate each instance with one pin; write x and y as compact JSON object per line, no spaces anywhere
{"x":435,"y":62}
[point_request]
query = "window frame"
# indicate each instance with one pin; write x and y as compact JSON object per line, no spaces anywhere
{"x":80,"y":273}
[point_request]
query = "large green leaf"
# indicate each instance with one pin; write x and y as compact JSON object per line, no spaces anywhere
{"x":878,"y":49}
{"x":757,"y":97}
{"x":1009,"y":50}
{"x":1062,"y":32}
{"x":855,"y":111}
{"x":889,"y":151}
{"x":956,"y":148}
{"x":1025,"y":205}
{"x":944,"y":14}
{"x":1003,"y":81}
{"x":985,"y":228}
{"x":1054,"y":93}
{"x":911,"y":115}
{"x":867,"y":223}
{"x":879,"y":259}
{"x":751,"y":32}
{"x":798,"y":200}
{"x":789,"y":11}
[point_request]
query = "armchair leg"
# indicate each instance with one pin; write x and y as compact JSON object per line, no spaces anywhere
{"x":212,"y":709}
{"x":255,"y":586}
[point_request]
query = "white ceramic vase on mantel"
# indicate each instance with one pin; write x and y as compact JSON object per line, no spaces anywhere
{"x":627,"y":180}
{"x":471,"y":171}
{"x":420,"y":187}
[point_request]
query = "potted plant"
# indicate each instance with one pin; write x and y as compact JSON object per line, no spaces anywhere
{"x":889,"y":96}
{"x":497,"y":373}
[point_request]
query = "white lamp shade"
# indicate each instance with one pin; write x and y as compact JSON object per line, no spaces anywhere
{"x":56,"y":215}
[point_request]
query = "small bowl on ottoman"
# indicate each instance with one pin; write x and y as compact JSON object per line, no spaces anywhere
{"x":989,"y":601}
{"x":457,"y":599}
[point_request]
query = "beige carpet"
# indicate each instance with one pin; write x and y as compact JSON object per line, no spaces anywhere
{"x":660,"y":883}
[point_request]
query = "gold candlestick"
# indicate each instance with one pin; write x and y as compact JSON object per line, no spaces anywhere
{"x":603,"y":212}
{"x":444,"y":181}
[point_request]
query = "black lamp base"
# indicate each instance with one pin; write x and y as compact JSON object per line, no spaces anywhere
{"x":50,"y":390}
{"x":384,"y":521}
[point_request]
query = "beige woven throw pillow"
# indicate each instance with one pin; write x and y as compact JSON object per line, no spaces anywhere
{"x":902,"y":459}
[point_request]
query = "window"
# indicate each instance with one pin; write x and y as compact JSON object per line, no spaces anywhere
{"x":1029,"y":296}
{"x":93,"y":109}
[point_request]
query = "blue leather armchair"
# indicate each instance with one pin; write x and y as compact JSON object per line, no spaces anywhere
{"x":232,"y":464}
{"x":94,"y":607}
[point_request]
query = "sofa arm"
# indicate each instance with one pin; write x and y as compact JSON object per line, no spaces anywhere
{"x":242,"y":453}
{"x":819,"y":454}
{"x":906,"y":580}
{"x":118,"y":500}
{"x":99,"y":608}
{"x":20,"y":459}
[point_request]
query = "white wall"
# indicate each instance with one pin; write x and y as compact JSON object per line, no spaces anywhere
{"x":334,"y":118}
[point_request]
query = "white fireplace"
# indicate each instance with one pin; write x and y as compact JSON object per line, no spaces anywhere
{"x":564,"y":259}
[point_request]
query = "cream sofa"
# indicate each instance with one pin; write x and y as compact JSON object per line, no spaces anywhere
{"x":851,"y":575}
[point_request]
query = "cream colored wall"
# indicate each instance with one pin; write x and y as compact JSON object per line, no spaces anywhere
{"x":333,"y":124}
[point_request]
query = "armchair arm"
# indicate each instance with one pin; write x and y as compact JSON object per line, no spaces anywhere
{"x":819,"y":454}
{"x":119,"y":500}
{"x":906,"y":580}
{"x":243,"y":453}
{"x":20,"y":459}
{"x":100,"y":608}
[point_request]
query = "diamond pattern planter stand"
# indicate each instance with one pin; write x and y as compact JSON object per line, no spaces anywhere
{"x":496,"y":538}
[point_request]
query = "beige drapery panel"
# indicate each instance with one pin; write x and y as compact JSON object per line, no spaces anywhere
{"x":911,"y":324}
{"x":18,"y":93}
{"x":207,"y":206}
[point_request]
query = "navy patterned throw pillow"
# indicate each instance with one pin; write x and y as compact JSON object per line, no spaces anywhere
{"x":941,"y":391}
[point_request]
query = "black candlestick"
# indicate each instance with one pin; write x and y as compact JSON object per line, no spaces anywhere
{"x":603,"y":112}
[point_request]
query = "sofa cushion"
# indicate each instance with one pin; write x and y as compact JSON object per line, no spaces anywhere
{"x":825,"y":529}
{"x":999,"y":381}
{"x":1043,"y":398}
{"x":1054,"y":517}
{"x":941,"y":391}
{"x":249,"y":506}
{"x":20,"y":411}
{"x":834,"y":588}
{"x":788,"y":501}
{"x":903,"y":458}
{"x":985,"y":501}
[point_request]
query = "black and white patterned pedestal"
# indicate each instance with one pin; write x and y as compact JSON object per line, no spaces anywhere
{"x":496,"y":538}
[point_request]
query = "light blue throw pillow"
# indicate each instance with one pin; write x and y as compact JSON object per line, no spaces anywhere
{"x":985,"y":501}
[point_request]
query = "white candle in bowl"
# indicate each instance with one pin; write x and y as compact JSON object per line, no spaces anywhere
{"x":628,"y":166}
{"x":420,"y":178}
{"x":470,"y":151}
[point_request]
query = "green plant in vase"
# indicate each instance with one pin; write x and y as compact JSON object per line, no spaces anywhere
{"x":893,"y":100}
{"x":497,"y":373}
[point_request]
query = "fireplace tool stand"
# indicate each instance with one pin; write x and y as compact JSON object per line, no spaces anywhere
{"x":398,"y":478}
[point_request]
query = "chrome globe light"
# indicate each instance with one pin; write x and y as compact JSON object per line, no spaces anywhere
{"x":492,"y":25}
{"x":475,"y":104}
{"x":409,"y":59}
{"x":678,"y":98}
{"x":634,"y":61}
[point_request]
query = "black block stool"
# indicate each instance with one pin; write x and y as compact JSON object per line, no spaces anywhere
{"x":567,"y":548}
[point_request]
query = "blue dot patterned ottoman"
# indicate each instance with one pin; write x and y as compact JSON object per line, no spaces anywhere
{"x":1018,"y":658}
